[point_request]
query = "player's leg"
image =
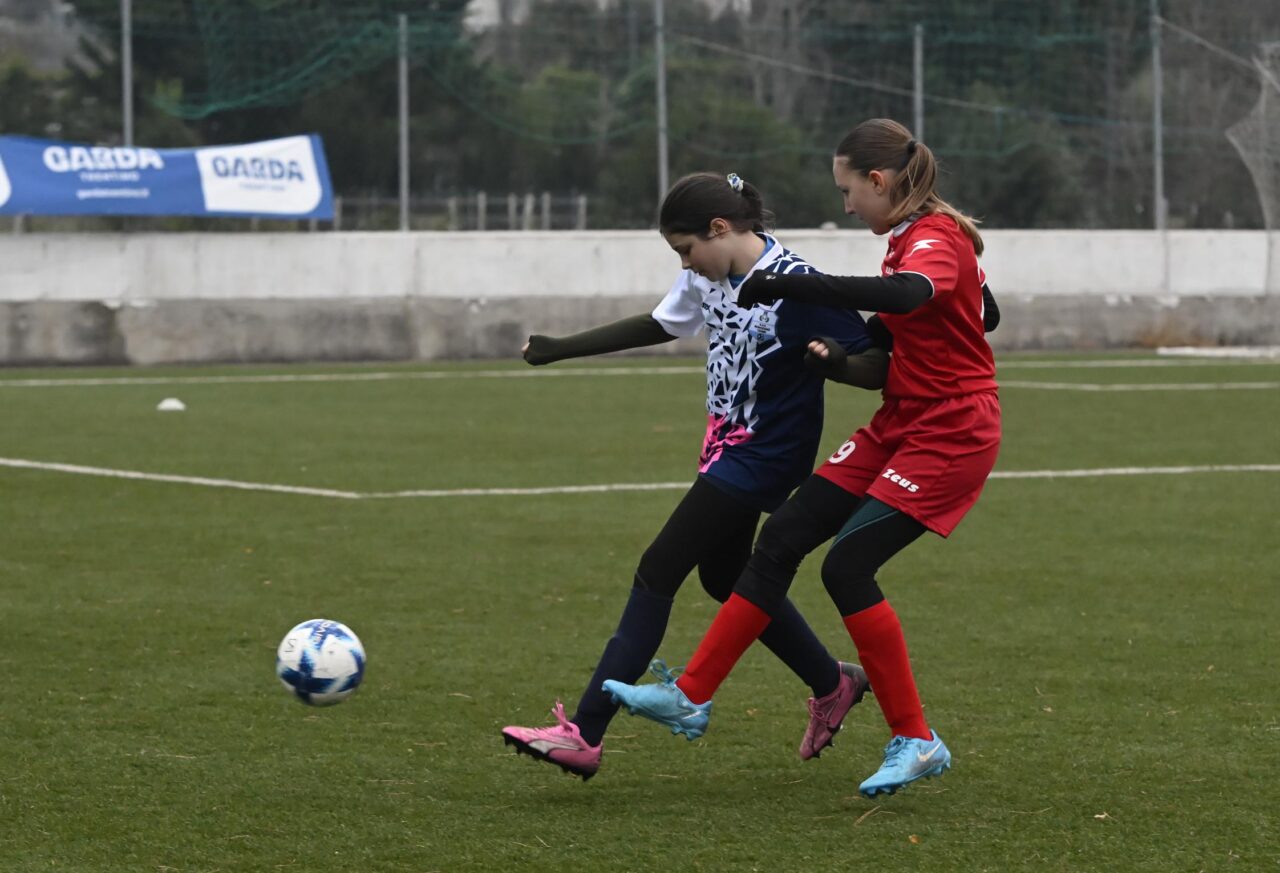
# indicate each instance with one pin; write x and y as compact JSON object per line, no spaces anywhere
{"x":932,"y":480}
{"x":788,"y":636}
{"x":874,"y":534}
{"x":703,"y":519}
{"x":812,"y":515}
{"x":836,"y":686}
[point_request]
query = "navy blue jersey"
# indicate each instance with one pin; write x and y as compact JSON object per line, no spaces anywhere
{"x":764,"y":406}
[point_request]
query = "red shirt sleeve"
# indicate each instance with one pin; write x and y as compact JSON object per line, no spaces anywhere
{"x":934,"y":257}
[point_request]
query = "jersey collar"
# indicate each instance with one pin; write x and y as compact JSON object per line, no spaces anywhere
{"x":772,"y":251}
{"x":902,"y":226}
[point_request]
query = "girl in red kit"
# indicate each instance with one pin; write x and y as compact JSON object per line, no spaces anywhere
{"x":918,"y":466}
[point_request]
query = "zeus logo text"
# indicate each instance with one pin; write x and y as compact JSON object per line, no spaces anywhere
{"x":894,"y":476}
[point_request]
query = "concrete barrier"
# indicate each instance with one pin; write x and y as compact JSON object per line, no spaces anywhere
{"x":157,"y":298}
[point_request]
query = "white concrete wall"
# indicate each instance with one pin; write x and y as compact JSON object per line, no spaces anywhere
{"x":123,"y":268}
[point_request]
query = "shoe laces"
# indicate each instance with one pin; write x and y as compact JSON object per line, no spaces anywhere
{"x":821,"y":707}
{"x":897,"y":746}
{"x":658,"y":667}
{"x":558,"y":712}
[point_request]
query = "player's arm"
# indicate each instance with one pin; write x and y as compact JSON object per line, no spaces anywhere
{"x":897,"y":294}
{"x":866,"y":369}
{"x":629,"y":333}
{"x":990,"y":311}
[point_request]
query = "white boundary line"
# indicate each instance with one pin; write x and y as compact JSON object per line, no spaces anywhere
{"x":542,"y":373}
{"x":1135,"y":471}
{"x":1121,"y":363}
{"x":1224,"y":352}
{"x":380,"y":376}
{"x":1140,"y":386}
{"x":76,"y":469}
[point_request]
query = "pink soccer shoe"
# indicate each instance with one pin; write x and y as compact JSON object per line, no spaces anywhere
{"x":560,"y":744}
{"x":826,"y":714}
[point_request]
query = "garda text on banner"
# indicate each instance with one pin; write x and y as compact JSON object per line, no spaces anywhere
{"x":279,"y":178}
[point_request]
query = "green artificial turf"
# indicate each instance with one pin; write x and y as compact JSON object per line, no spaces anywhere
{"x":1098,"y":652}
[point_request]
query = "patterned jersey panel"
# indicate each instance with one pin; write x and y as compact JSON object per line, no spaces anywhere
{"x":764,"y":407}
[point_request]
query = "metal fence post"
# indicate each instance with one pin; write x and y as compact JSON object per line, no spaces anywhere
{"x":402,"y":76}
{"x":527,"y":222}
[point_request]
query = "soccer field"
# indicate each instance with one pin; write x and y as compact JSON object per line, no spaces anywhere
{"x":1099,"y":651}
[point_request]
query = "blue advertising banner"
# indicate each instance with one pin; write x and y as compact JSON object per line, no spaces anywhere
{"x":280,"y":178}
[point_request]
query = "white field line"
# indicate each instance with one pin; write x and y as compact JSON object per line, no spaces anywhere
{"x":1140,"y":386}
{"x":433,"y":375}
{"x":1121,"y":363}
{"x":1135,"y":471}
{"x":1221,"y":352}
{"x":388,"y":376}
{"x":181,"y":480}
{"x":76,"y":469}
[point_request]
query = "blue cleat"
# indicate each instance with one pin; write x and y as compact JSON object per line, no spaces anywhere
{"x":662,"y":702}
{"x":907,"y":759}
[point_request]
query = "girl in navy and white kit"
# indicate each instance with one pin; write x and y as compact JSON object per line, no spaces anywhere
{"x":764,"y":423}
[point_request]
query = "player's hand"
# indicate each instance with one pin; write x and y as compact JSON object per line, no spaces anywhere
{"x":825,"y":355}
{"x":761,"y":287}
{"x":539,"y":350}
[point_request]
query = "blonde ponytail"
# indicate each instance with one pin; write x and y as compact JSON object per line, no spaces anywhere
{"x":884,"y":144}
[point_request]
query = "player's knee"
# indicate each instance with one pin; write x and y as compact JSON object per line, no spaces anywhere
{"x":850,"y":580}
{"x":784,"y":537}
{"x":655,"y":575}
{"x":717,"y":584}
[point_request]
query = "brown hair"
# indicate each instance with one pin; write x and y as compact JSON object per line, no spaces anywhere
{"x":884,"y":144}
{"x":695,"y":200}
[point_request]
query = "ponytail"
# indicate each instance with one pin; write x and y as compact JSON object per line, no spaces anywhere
{"x":884,"y":144}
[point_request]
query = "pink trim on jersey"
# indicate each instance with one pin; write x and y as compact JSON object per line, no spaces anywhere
{"x":721,"y":434}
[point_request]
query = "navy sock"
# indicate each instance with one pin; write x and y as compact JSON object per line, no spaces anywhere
{"x":626,"y":657}
{"x":790,"y":638}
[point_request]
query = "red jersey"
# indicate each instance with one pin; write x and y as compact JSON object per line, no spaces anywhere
{"x":939,"y":349}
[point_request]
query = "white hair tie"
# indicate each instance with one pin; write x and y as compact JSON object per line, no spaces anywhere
{"x":735,"y":182}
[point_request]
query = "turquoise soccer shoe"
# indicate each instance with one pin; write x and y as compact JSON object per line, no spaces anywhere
{"x":662,"y":702}
{"x":907,"y":759}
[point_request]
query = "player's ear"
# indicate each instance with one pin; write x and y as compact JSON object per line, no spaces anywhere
{"x":879,"y":183}
{"x":718,"y":227}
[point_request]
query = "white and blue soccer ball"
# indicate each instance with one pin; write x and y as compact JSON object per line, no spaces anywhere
{"x":321,"y":662}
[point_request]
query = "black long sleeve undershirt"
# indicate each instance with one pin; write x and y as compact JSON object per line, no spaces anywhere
{"x":866,"y":369}
{"x":990,"y":311}
{"x":897,"y":294}
{"x":628,"y":333}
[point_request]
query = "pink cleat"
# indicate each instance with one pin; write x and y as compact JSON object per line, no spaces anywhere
{"x":560,"y":744}
{"x":826,"y":714}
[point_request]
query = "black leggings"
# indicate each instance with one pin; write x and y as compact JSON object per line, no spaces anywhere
{"x":868,"y":533}
{"x":709,"y":530}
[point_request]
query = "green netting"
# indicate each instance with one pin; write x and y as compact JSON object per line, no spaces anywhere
{"x":1041,"y":111}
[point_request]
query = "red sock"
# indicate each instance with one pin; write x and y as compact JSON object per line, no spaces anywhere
{"x":735,"y":628}
{"x":882,"y":649}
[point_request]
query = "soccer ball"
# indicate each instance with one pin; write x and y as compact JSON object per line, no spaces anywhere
{"x":320,"y":661}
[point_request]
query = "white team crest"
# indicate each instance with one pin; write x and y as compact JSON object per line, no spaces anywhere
{"x":764,"y":324}
{"x":922,"y":244}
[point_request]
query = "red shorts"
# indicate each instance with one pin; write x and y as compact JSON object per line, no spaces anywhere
{"x":926,"y":458}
